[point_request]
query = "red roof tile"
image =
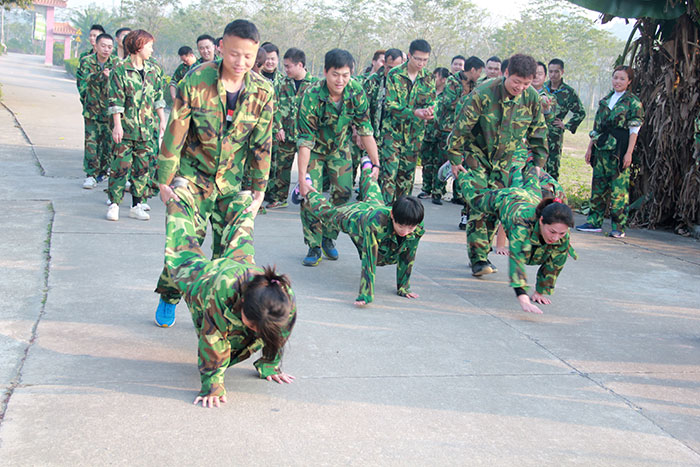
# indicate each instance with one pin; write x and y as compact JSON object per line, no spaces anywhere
{"x":55,"y":3}
{"x":64,"y":29}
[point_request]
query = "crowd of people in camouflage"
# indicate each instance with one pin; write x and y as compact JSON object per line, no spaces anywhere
{"x":237,"y":124}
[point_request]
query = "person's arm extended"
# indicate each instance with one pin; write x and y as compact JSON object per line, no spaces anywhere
{"x":461,"y":135}
{"x":552,"y":266}
{"x":116,"y":107}
{"x":520,"y":247}
{"x":370,"y":250}
{"x":404,"y":267}
{"x":214,"y":354}
{"x":307,"y":123}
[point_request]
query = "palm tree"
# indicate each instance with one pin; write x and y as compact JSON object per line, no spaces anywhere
{"x":84,"y":18}
{"x":665,"y":186}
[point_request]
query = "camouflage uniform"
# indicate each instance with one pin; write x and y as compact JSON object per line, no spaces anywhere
{"x":567,"y":101}
{"x":212,"y":289}
{"x":369,"y":225}
{"x":93,"y":87}
{"x":324,"y":128}
{"x":375,"y":89}
{"x":137,"y":99}
{"x":180,"y":73}
{"x":610,"y":183}
{"x":404,"y":132}
{"x":456,"y":87}
{"x":488,"y":130}
{"x":200,"y":147}
{"x":515,"y":208}
{"x":85,"y":54}
{"x":287,"y":100}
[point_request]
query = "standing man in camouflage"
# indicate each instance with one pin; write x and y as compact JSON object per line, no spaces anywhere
{"x":567,"y":101}
{"x":221,"y":123}
{"x":288,"y":97}
{"x":119,"y":36}
{"x":188,"y":60}
{"x":493,"y":121}
{"x":375,"y":88}
{"x":95,"y":30}
{"x":328,"y":110}
{"x":456,"y":87}
{"x":270,"y":66}
{"x":410,"y":98}
{"x":431,"y":153}
{"x":93,"y":86}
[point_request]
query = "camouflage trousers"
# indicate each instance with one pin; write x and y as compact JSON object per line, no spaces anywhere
{"x":280,"y":171}
{"x":481,"y":227}
{"x":555,"y":138}
{"x":152,"y":189}
{"x":213,"y":208}
{"x":131,"y":161}
{"x":398,"y":169}
{"x":609,"y":186}
{"x":515,"y":178}
{"x":98,"y":148}
{"x":338,"y":166}
{"x":432,"y":157}
{"x":344,"y":218}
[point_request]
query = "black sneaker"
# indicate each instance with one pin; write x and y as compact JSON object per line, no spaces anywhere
{"x":437,"y":199}
{"x":423,"y":195}
{"x":481,"y":268}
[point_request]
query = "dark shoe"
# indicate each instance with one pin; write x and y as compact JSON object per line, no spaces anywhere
{"x":459,"y":201}
{"x":463,"y":223}
{"x":437,"y":200}
{"x":481,"y":268}
{"x":329,"y":250}
{"x":423,"y":195}
{"x":313,"y":257}
{"x":588,"y":228}
{"x":617,"y":234}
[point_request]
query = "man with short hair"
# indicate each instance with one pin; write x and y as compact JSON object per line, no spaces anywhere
{"x":410,"y":98}
{"x":95,"y":30}
{"x":328,"y":110}
{"x":567,"y":101}
{"x":92,"y":79}
{"x":492,"y":68}
{"x":457,"y":64}
{"x":493,"y":121}
{"x":119,"y":36}
{"x":457,"y":87}
{"x":287,"y":100}
{"x":188,"y":60}
{"x":209,"y":144}
{"x":269,"y":69}
{"x":206,"y":48}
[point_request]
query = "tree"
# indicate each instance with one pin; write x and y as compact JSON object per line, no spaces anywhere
{"x":7,"y":4}
{"x":83,"y":19}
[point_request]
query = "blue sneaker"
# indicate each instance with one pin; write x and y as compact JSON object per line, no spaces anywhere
{"x":587,"y":227}
{"x":329,"y":249}
{"x":313,"y":257}
{"x":296,"y":195}
{"x":165,"y":314}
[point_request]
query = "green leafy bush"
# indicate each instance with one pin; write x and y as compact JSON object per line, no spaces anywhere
{"x":72,"y":65}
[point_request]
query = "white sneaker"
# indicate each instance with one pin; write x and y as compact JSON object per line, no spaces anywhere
{"x":113,"y":212}
{"x":109,"y":201}
{"x":127,"y":186}
{"x":137,"y":212}
{"x":145,"y":206}
{"x":89,"y":183}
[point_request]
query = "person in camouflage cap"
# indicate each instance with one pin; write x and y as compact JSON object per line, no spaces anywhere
{"x":537,"y":231}
{"x":220,"y":129}
{"x":614,"y":136}
{"x":327,"y":112}
{"x":188,"y":61}
{"x":135,"y":98}
{"x":491,"y":125}
{"x":287,"y":99}
{"x":410,"y":97}
{"x":567,"y":101}
{"x":382,"y":235}
{"x":237,"y":307}
{"x":92,"y":79}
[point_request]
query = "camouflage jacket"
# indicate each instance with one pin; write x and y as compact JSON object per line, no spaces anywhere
{"x":515,"y":208}
{"x":93,"y":86}
{"x":223,"y":338}
{"x":403,"y":97}
{"x":567,"y":101}
{"x":287,"y":100}
{"x":491,"y":126}
{"x":456,"y":87}
{"x":85,"y":54}
{"x":549,"y":116}
{"x":375,"y":89}
{"x":277,"y":78}
{"x":180,"y":73}
{"x":200,"y":146}
{"x":325,"y":128}
{"x":136,"y":98}
{"x":626,"y":113}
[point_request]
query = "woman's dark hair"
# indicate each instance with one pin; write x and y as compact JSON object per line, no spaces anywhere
{"x":135,"y":40}
{"x":267,"y":305}
{"x":554,"y":212}
{"x":407,"y":210}
{"x":626,"y":69}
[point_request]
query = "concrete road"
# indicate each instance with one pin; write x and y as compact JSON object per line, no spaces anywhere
{"x":609,"y":375}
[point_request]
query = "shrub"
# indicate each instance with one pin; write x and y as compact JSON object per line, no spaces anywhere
{"x":72,"y":65}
